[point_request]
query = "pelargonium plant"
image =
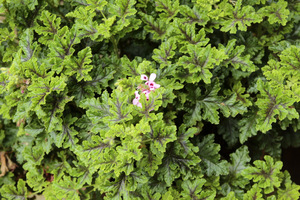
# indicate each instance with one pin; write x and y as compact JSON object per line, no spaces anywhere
{"x":148,"y":99}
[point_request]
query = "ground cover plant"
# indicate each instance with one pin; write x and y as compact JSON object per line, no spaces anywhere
{"x":148,"y":99}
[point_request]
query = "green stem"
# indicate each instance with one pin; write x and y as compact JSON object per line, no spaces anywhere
{"x":115,"y":45}
{"x":148,"y":140}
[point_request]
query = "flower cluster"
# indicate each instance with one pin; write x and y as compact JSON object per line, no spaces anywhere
{"x":150,"y":85}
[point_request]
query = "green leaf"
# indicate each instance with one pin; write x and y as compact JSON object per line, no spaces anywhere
{"x":247,"y":127}
{"x":239,"y":160}
{"x":240,"y":16}
{"x":276,"y":12}
{"x":289,"y":58}
{"x":66,"y":188}
{"x":168,"y":8}
{"x":27,"y":46}
{"x":96,"y":111}
{"x":5,"y":35}
{"x":120,"y":109}
{"x":33,"y":155}
{"x":93,"y":151}
{"x":210,"y":103}
{"x":80,"y":66}
{"x":97,"y":5}
{"x":183,"y":141}
{"x":11,"y":192}
{"x":111,"y":111}
{"x":128,"y":154}
{"x":122,"y":185}
{"x":31,"y":4}
{"x":87,"y":27}
{"x":150,"y":161}
{"x":193,"y":190}
{"x":174,"y":164}
{"x":273,"y":102}
{"x":83,"y":173}
{"x":165,"y":53}
{"x":41,"y":88}
{"x":254,"y":193}
{"x":198,"y":62}
{"x":230,"y":196}
{"x":123,"y":9}
{"x":154,"y":102}
{"x":265,"y":173}
{"x":189,"y":37}
{"x":229,"y":130}
{"x":291,"y":191}
{"x":61,"y":48}
{"x":86,"y":89}
{"x":36,"y":180}
{"x":59,"y":167}
{"x":210,"y":157}
{"x":157,"y":27}
{"x":66,"y":137}
{"x":161,"y":135}
{"x":35,"y":70}
{"x":194,"y":15}
{"x":234,"y":57}
{"x":51,"y":25}
{"x":51,"y":114}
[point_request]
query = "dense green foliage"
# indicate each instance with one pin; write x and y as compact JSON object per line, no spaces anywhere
{"x":228,"y":101}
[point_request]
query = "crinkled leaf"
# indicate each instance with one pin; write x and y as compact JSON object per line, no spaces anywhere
{"x":199,"y":61}
{"x":193,"y":190}
{"x":253,"y":193}
{"x":51,"y":114}
{"x":247,"y":127}
{"x":265,"y":173}
{"x":165,"y":53}
{"x":66,"y":188}
{"x":291,"y":191}
{"x":236,"y":58}
{"x":11,"y":192}
{"x":155,"y":26}
{"x":80,"y":66}
{"x":210,"y":157}
{"x":273,"y":102}
{"x":33,"y":155}
{"x":50,"y":26}
{"x":190,"y":39}
{"x":240,"y":16}
{"x":168,"y":8}
{"x":183,"y":141}
{"x":276,"y":12}
{"x":161,"y":135}
{"x":41,"y":88}
{"x":194,"y":15}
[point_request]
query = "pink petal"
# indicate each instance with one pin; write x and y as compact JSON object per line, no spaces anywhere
{"x":151,"y":84}
{"x":146,"y":91}
{"x":140,"y":105}
{"x":144,"y":77}
{"x":135,"y":102}
{"x":152,"y":77}
{"x":137,"y":96}
{"x":156,"y":85}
